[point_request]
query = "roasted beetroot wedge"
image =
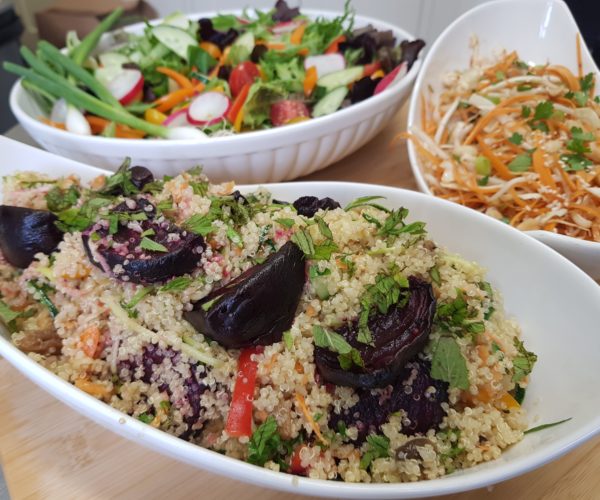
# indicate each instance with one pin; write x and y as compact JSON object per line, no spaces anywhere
{"x":413,"y":391}
{"x":25,"y":232}
{"x":134,"y":245}
{"x":397,"y":335}
{"x":310,"y":205}
{"x":256,"y":307}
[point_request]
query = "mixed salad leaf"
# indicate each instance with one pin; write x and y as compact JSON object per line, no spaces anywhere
{"x":186,"y":78}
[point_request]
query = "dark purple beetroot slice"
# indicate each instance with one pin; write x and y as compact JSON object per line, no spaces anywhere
{"x":413,"y":391}
{"x":256,"y":307}
{"x":25,"y":232}
{"x":121,"y":254}
{"x":308,"y":206}
{"x":398,"y":336}
{"x":140,"y":176}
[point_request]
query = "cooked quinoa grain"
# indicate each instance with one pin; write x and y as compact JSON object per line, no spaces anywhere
{"x":309,"y":400}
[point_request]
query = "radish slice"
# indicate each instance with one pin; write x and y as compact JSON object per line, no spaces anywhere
{"x":393,"y":76}
{"x":59,"y":111}
{"x":76,"y":123}
{"x":208,"y":108}
{"x":285,"y":27}
{"x":177,"y":119}
{"x":186,"y":133}
{"x":326,"y":63}
{"x":127,"y":85}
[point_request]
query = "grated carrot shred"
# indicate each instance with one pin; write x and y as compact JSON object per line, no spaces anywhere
{"x":317,"y":430}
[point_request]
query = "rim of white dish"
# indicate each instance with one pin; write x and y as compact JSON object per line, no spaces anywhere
{"x":246,"y":137}
{"x":413,"y":119}
{"x":174,"y":447}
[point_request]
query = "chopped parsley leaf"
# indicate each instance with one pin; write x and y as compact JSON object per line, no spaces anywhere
{"x":152,"y":246}
{"x":516,"y":138}
{"x":448,"y":363}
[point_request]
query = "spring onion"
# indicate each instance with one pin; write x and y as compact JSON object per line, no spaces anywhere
{"x":81,"y":52}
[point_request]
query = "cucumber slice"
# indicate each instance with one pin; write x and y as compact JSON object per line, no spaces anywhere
{"x":106,"y":74}
{"x":330,"y":103}
{"x":241,"y":49}
{"x":178,"y":20}
{"x":112,"y":59}
{"x":340,"y":78}
{"x":175,"y":39}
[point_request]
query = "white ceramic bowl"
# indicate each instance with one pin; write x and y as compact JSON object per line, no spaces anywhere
{"x":540,"y":31}
{"x":556,"y":304}
{"x":273,"y":155}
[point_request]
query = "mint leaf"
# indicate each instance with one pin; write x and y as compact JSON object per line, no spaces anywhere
{"x":448,"y":363}
{"x":331,"y":340}
{"x":523,"y":363}
{"x":152,"y":246}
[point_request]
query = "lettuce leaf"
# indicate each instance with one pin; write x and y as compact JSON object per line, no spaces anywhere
{"x":258,"y":104}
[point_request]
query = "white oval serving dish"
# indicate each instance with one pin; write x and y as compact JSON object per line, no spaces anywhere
{"x":540,"y":31}
{"x":273,"y":155}
{"x":556,"y":304}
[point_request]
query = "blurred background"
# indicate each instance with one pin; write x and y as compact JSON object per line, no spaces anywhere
{"x":25,"y":21}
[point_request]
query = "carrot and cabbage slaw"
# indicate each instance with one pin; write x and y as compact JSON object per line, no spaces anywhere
{"x":517,"y":141}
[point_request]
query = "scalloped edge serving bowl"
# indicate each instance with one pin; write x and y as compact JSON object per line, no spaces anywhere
{"x":555,"y":303}
{"x":539,"y":30}
{"x":273,"y":155}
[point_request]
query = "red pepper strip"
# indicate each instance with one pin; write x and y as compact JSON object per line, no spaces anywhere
{"x":239,"y":420}
{"x":371,"y":68}
{"x":334,"y":46}
{"x":238,"y":103}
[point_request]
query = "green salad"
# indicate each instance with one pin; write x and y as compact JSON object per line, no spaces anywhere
{"x":194,"y":78}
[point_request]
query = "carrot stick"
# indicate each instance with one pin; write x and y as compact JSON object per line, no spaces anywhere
{"x":310,"y":80}
{"x":335,"y":45}
{"x":297,"y":34}
{"x":540,"y":168}
{"x":565,"y":75}
{"x":302,"y":404}
{"x":579,"y":61}
{"x":500,"y":168}
{"x":169,"y":101}
{"x":177,"y":77}
{"x":484,"y":121}
{"x":47,"y":121}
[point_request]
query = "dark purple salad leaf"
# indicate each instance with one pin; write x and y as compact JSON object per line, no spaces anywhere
{"x":363,"y":89}
{"x":25,"y":232}
{"x":410,"y":51}
{"x":208,"y":33}
{"x":397,"y":336}
{"x":132,"y":244}
{"x":308,"y":206}
{"x":413,"y":390}
{"x":283,"y":13}
{"x":256,"y":307}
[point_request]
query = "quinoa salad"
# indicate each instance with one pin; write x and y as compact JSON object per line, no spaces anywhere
{"x":333,"y":342}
